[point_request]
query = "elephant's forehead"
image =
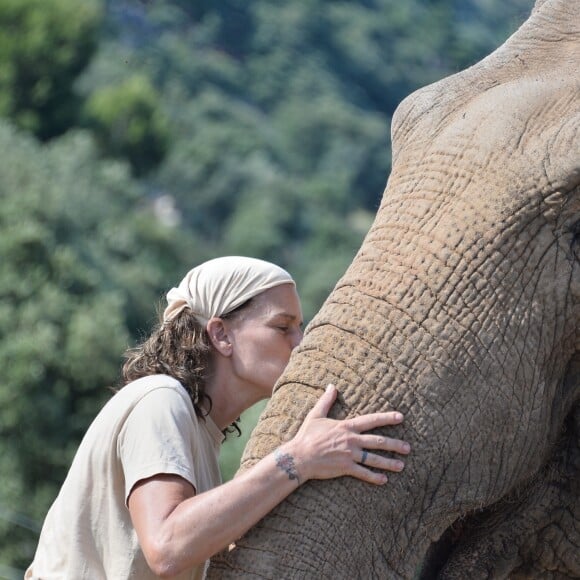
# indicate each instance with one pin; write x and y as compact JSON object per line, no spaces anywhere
{"x":515,"y":145}
{"x":517,"y":107}
{"x":526,"y":126}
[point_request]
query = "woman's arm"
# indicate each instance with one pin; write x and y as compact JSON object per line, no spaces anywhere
{"x":178,"y":529}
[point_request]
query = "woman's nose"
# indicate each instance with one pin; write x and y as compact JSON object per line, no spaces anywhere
{"x":297,"y":338}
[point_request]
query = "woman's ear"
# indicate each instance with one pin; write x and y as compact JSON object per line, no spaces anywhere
{"x":218,"y":335}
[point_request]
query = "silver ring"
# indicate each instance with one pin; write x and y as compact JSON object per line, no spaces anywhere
{"x":364,"y":456}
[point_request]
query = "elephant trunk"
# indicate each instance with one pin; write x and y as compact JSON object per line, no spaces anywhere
{"x":429,"y":333}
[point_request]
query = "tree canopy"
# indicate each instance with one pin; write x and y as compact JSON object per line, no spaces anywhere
{"x":139,"y":138}
{"x":43,"y":48}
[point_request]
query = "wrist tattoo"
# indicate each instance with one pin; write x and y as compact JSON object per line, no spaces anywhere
{"x":285,"y":462}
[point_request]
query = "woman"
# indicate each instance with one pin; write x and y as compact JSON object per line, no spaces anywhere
{"x":143,"y":497}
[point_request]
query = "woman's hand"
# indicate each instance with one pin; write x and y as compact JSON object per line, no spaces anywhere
{"x":326,"y":448}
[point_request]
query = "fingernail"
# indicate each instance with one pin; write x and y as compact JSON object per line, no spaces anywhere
{"x":398,"y":416}
{"x":329,"y":387}
{"x":406,"y":447}
{"x":400,"y":465}
{"x":385,"y":479}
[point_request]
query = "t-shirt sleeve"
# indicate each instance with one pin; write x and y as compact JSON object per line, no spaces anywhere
{"x":157,"y":438}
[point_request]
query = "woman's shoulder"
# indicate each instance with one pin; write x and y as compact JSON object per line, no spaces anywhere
{"x":152,"y":389}
{"x":160,"y":385}
{"x":153,"y":382}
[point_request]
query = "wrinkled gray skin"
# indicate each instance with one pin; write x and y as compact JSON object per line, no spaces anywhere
{"x":462,"y":310}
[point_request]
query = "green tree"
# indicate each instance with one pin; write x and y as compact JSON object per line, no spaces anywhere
{"x":44,"y":45}
{"x":82,"y":265}
{"x":128,"y":123}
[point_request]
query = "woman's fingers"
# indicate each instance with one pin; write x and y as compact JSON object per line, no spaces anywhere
{"x":323,"y":405}
{"x":384,"y":444}
{"x":361,"y":423}
{"x":375,"y":420}
{"x":364,"y":474}
{"x":362,"y":469}
{"x":379,"y":462}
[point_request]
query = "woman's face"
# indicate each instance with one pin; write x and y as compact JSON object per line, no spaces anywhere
{"x":264,"y":335}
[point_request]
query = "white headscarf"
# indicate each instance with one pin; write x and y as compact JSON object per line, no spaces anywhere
{"x":218,"y":286}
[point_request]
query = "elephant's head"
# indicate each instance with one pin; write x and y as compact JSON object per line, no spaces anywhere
{"x":462,"y":310}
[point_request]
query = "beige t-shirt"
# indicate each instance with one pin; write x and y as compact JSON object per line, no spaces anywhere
{"x":148,"y":427}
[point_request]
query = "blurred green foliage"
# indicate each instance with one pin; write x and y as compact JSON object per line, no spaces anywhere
{"x":139,"y":138}
{"x":44,"y":45}
{"x":127,"y":123}
{"x":233,"y":446}
{"x":81,"y":265}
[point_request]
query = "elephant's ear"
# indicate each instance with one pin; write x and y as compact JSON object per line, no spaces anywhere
{"x":531,"y":533}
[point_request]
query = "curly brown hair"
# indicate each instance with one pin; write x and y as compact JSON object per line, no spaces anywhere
{"x":180,"y":348}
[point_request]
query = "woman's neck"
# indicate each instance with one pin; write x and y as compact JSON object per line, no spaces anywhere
{"x":229,"y":398}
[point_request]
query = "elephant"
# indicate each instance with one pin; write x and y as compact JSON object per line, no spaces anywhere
{"x":461,"y":309}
